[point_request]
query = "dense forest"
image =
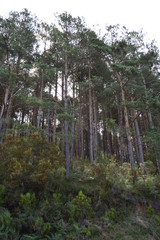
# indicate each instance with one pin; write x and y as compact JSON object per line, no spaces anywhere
{"x":79,"y":131}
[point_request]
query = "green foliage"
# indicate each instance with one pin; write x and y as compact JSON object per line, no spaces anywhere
{"x":7,"y":230}
{"x":111,"y":214}
{"x":158,"y":219}
{"x":28,"y":161}
{"x":80,"y":207}
{"x":70,"y":208}
{"x":111,"y":124}
{"x":5,"y":218}
{"x":38,"y":224}
{"x":150,"y":210}
{"x":27,"y":200}
{"x":46,"y":227}
{"x":25,"y":129}
{"x":36,"y":200}
{"x":81,"y":231}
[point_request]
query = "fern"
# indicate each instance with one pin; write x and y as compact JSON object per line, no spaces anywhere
{"x":7,"y":231}
{"x":5,"y":217}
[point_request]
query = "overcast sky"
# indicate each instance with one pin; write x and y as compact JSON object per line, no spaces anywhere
{"x":134,"y":14}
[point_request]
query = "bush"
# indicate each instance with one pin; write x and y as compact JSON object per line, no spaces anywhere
{"x":27,"y":200}
{"x":80,"y":207}
{"x":26,"y":162}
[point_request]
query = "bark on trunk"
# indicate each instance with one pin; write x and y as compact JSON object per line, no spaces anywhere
{"x":55,"y":109}
{"x":73,"y":123}
{"x":104,"y":133}
{"x":81,"y":129}
{"x":95,"y":127}
{"x":90,"y":116}
{"x":39,"y":116}
{"x":8,"y":114}
{"x":140,"y":147}
{"x":121,"y":137}
{"x":129,"y":138}
{"x":66,"y":123}
{"x":4,"y":102}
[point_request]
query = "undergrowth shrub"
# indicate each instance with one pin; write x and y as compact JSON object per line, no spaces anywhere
{"x":27,"y":200}
{"x":80,"y":207}
{"x":27,"y":161}
{"x":150,"y":210}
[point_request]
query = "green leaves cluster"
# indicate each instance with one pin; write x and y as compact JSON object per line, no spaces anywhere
{"x":28,"y":161}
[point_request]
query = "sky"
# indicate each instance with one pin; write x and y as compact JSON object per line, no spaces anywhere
{"x":134,"y":14}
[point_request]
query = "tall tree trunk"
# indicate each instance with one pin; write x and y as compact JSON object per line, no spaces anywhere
{"x":140,"y":147}
{"x":73,"y":121}
{"x":62,"y":122}
{"x":4,"y":104}
{"x":81,"y":128}
{"x":137,"y":155}
{"x":90,"y":116}
{"x":55,"y":109}
{"x":39,"y":115}
{"x":95,"y":127}
{"x":138,"y":137}
{"x":130,"y":146}
{"x":66,"y":123}
{"x":107,"y":138}
{"x":121,"y":137}
{"x":104,"y":135}
{"x":8,"y":114}
{"x":49,"y":118}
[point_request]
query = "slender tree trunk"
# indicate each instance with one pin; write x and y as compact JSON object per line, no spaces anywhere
{"x":34,"y":116}
{"x":122,"y":145}
{"x":23,"y":115}
{"x":66,"y":123}
{"x":39,"y":116}
{"x":140,"y":147}
{"x":73,"y":123}
{"x":138,"y":137}
{"x":8,"y":114}
{"x":49,"y":118}
{"x":62,"y":122}
{"x":90,"y":116}
{"x":81,"y":128}
{"x":95,"y":127}
{"x":116,"y":146}
{"x":137,"y":154}
{"x":4,"y":102}
{"x":55,"y":109}
{"x":4,"y":106}
{"x":104,"y":136}
{"x":130,"y":146}
{"x":107,"y":138}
